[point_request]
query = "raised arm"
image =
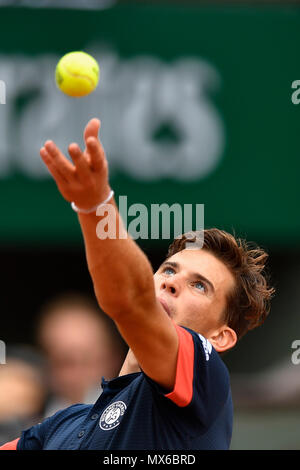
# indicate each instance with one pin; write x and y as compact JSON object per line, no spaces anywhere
{"x":121,"y":273}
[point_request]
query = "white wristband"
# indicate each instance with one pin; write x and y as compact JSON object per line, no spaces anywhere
{"x":92,"y":209}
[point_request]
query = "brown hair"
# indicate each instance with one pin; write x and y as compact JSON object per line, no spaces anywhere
{"x":248,"y":304}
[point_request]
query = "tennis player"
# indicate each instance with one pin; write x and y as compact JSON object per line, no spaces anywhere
{"x":173,"y":390}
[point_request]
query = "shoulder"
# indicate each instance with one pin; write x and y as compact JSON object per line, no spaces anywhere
{"x":65,"y":413}
{"x":202,"y":346}
{"x":34,"y":437}
{"x":202,"y":386}
{"x":208,"y":369}
{"x":79,"y":408}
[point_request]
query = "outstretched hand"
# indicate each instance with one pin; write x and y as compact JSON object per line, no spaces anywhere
{"x":85,"y":181}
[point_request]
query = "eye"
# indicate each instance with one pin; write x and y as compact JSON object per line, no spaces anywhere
{"x":203,"y":286}
{"x":168,"y":269}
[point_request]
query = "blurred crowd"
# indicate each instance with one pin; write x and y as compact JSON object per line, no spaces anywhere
{"x":76,"y":345}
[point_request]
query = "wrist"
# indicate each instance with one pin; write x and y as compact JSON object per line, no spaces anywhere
{"x":88,"y":210}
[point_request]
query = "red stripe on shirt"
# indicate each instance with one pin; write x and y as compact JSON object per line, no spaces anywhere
{"x":12,"y":445}
{"x":182,"y":393}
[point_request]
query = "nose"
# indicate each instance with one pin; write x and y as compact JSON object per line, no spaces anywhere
{"x":171,"y":286}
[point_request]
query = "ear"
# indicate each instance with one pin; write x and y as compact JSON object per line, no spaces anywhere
{"x":223,"y":339}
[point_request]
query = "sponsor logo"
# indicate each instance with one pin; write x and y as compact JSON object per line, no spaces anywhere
{"x":112,"y":415}
{"x":206,"y":346}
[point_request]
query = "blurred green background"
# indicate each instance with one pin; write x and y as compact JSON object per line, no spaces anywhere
{"x":196,"y":107}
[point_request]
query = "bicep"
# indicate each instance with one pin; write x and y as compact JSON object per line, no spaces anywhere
{"x":152,"y":336}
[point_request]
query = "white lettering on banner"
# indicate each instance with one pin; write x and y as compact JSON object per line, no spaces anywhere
{"x":134,"y":100}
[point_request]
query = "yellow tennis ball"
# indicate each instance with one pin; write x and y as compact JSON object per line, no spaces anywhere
{"x":77,"y":74}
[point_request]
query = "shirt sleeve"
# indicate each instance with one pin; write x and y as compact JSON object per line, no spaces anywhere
{"x":182,"y":393}
{"x":12,"y":445}
{"x":36,"y":437}
{"x":202,"y":381}
{"x":33,"y":437}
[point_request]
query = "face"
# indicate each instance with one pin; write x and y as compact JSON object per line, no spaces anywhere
{"x":193,"y":284}
{"x":79,"y":351}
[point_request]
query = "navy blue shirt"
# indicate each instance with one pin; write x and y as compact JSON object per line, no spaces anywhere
{"x":133,"y":412}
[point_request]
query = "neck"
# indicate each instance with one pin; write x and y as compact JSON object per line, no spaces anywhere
{"x":130,"y":364}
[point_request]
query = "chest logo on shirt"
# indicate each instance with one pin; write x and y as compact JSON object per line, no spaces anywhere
{"x":112,"y":415}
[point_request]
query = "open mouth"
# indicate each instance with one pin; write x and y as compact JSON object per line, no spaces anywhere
{"x":165,"y":306}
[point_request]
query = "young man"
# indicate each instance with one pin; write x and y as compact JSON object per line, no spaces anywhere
{"x":173,"y":390}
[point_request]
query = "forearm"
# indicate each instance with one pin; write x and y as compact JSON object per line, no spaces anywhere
{"x":121,"y":273}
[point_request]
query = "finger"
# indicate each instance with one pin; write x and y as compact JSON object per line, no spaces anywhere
{"x":59,"y":178}
{"x":92,"y":128}
{"x":96,"y":153}
{"x":59,"y":160}
{"x":80,"y":162}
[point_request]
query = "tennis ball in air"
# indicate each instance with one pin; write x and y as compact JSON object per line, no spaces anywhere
{"x":77,"y":74}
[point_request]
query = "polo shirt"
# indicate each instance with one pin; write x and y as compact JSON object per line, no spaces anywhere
{"x":133,"y":412}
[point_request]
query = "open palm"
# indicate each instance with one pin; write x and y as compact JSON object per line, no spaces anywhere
{"x":85,"y":181}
